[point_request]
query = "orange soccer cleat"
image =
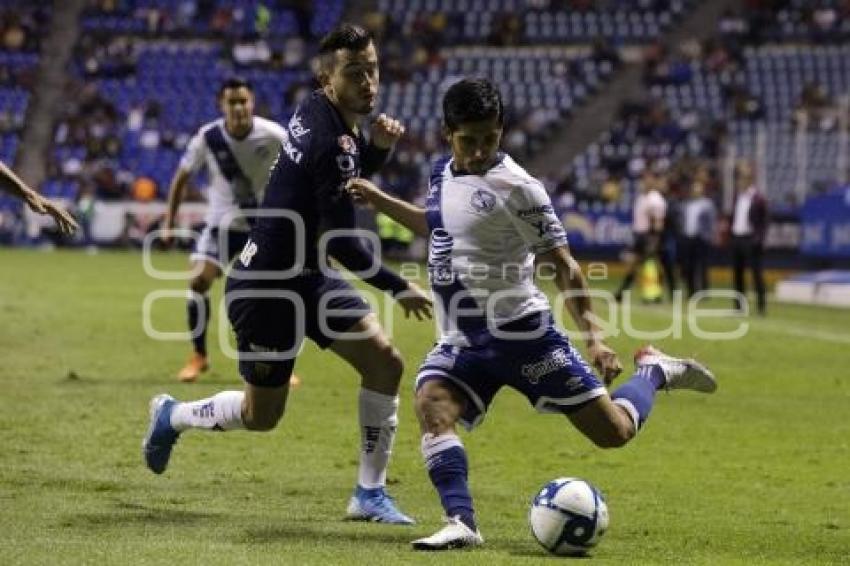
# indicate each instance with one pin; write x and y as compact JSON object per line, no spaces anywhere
{"x":196,"y":365}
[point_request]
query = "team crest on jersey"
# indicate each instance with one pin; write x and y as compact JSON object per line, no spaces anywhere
{"x":483,"y":201}
{"x":347,"y":144}
{"x":296,"y":128}
{"x":346,"y":164}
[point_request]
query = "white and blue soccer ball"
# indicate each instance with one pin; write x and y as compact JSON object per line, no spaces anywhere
{"x":568,"y":516}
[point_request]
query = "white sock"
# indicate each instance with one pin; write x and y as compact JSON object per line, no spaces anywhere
{"x":378,"y":422}
{"x":222,"y":411}
{"x":432,"y":444}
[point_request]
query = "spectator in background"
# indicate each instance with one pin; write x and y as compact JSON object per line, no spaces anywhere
{"x":749,"y":227}
{"x":699,"y":225}
{"x":815,"y":109}
{"x":670,"y":230}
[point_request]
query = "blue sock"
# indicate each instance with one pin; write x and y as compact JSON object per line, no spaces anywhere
{"x":199,"y":342}
{"x":637,"y":395}
{"x":447,"y":466}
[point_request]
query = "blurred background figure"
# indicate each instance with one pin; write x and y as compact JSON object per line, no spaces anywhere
{"x":748,"y":227}
{"x":699,"y":226}
{"x":648,"y":218}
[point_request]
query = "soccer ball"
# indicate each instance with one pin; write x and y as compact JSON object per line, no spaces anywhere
{"x":568,"y":516}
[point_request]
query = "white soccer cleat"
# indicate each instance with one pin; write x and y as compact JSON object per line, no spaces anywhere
{"x":680,"y":373}
{"x":454,"y":535}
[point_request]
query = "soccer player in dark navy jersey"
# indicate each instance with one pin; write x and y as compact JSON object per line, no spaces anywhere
{"x":281,"y":288}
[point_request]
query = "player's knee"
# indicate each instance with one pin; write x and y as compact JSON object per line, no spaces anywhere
{"x":615,"y":436}
{"x":200,"y":284}
{"x":262,"y":423}
{"x":262,"y":420}
{"x":436,"y":410}
{"x":389,"y":362}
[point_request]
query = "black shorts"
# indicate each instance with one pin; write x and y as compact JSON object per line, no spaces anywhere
{"x":272,"y":318}
{"x":640,"y":246}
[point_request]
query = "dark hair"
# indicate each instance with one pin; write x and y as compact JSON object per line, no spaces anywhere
{"x":345,"y":36}
{"x":234,"y":82}
{"x":472,"y":100}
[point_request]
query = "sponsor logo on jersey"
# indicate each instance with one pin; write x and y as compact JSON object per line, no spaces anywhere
{"x":296,"y":128}
{"x":291,"y":151}
{"x":248,"y":253}
{"x":347,"y":144}
{"x":483,"y":201}
{"x":553,"y":361}
{"x":536,"y":211}
{"x":545,"y":226}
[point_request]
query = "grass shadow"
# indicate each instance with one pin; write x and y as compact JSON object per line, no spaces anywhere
{"x":134,"y":514}
{"x":301,"y":530}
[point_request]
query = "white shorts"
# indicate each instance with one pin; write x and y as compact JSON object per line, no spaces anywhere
{"x":218,"y":247}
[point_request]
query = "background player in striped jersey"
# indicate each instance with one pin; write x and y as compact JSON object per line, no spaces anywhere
{"x":238,"y":151}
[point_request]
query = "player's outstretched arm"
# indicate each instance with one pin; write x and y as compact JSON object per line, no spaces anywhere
{"x":570,"y":280}
{"x":413,"y":217}
{"x":12,"y":184}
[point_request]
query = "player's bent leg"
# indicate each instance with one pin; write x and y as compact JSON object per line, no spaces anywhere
{"x":380,"y":367}
{"x":439,"y":405}
{"x":612,"y":421}
{"x":255,"y":408}
{"x":604,"y":423}
{"x":198,"y":316}
{"x":263,"y":407}
{"x":376,"y":360}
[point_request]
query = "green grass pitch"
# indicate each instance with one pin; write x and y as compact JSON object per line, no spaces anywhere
{"x":757,"y":474}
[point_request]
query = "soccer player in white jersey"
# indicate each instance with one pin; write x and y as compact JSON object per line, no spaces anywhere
{"x":489,"y":223}
{"x":238,"y":151}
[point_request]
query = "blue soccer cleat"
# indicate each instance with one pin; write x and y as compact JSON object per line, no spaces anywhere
{"x":375,"y":505}
{"x":161,"y":436}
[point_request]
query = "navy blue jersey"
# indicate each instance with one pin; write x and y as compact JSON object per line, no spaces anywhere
{"x":308,"y":179}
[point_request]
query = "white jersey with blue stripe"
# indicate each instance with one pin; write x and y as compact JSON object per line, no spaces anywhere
{"x":485,"y":231}
{"x":255,"y":153}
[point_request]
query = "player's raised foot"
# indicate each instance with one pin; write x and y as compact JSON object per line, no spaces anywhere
{"x":454,"y":535}
{"x":196,"y":365}
{"x":375,"y":505}
{"x":680,"y":373}
{"x":161,"y":436}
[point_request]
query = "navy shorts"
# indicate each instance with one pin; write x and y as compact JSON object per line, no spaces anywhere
{"x":211,"y":247}
{"x":271,"y":320}
{"x":548,"y":370}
